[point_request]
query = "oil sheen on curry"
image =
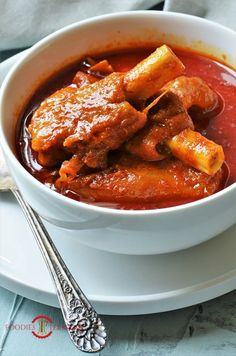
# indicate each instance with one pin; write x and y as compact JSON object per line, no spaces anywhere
{"x":144,"y":129}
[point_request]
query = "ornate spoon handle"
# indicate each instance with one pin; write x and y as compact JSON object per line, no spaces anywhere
{"x":85,"y":328}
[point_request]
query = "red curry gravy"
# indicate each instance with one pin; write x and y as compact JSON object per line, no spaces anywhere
{"x":221,"y":128}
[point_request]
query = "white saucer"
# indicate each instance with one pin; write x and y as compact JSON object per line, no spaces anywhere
{"x":115,"y":284}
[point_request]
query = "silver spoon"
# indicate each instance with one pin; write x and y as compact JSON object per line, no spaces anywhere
{"x":84,"y":326}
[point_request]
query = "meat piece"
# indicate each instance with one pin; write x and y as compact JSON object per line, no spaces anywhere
{"x":70,"y":168}
{"x":167,"y":117}
{"x":171,"y":128}
{"x":193,"y":91}
{"x":102,"y":67}
{"x":51,"y":123}
{"x":164,"y":107}
{"x":114,"y":123}
{"x":82,"y":79}
{"x":87,"y":122}
{"x":131,"y":180}
{"x":148,"y":143}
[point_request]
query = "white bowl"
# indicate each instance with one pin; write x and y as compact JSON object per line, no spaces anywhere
{"x":129,"y":232}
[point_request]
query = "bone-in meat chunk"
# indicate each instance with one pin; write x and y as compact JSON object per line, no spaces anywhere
{"x":167,"y":118}
{"x":86,"y":122}
{"x":193,"y":91}
{"x":131,"y":180}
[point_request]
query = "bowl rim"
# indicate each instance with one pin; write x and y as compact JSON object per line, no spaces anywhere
{"x":83,"y":205}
